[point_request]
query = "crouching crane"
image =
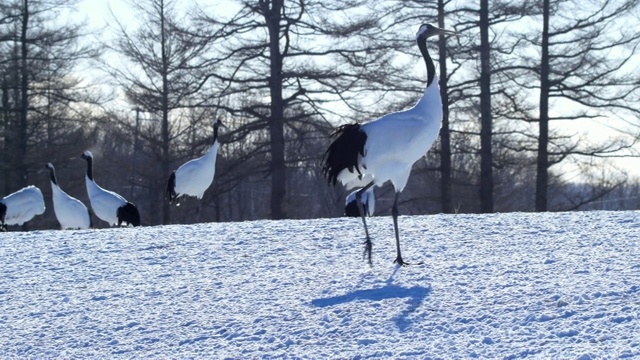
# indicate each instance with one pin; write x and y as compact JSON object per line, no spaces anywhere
{"x":21,"y":206}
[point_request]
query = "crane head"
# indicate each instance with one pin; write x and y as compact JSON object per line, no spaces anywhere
{"x":428,"y":30}
{"x":87,"y":155}
{"x":219,"y":123}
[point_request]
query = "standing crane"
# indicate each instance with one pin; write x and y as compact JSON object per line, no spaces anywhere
{"x":108,"y":205}
{"x":385,"y":149}
{"x":70,"y":212}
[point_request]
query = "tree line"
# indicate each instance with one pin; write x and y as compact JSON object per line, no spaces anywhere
{"x":519,"y":84}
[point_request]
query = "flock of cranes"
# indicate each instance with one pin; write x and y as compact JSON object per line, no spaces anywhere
{"x":193,"y":178}
{"x":361,"y":156}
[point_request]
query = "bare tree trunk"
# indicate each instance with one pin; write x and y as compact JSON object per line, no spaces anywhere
{"x":276,"y":120}
{"x":24,"y":99}
{"x":7,"y":119}
{"x":542,"y":178}
{"x":445,"y":134}
{"x":486,"y":160}
{"x":166,"y":215}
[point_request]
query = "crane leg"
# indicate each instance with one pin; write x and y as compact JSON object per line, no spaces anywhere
{"x":394,"y":213}
{"x":367,"y":243}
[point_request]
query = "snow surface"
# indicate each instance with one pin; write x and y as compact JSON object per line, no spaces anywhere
{"x":553,"y":285}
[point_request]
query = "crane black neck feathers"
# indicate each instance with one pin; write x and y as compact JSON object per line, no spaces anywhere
{"x":52,"y":175}
{"x":343,"y":152}
{"x":89,"y":160}
{"x":215,"y":132}
{"x":431,"y":69}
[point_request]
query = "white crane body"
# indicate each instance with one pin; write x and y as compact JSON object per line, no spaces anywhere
{"x":395,"y":142}
{"x":70,"y":212}
{"x":104,"y":202}
{"x":195,"y":176}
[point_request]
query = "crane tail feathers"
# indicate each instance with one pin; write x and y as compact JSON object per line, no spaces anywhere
{"x":3,"y":213}
{"x":171,"y":187}
{"x":129,"y":214}
{"x":344,"y":152}
{"x":351,"y":209}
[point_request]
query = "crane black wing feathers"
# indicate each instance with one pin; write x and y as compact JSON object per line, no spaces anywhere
{"x":343,"y":152}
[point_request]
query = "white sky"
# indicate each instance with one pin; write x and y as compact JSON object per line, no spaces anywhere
{"x":97,"y":12}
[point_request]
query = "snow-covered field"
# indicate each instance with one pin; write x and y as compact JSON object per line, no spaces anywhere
{"x":554,"y":285}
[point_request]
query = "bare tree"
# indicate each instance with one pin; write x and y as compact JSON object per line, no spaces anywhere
{"x":482,"y":92}
{"x":583,"y":64}
{"x":302,"y":61}
{"x":162,"y":76}
{"x":43,"y":97}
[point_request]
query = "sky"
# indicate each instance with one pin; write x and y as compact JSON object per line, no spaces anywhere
{"x":97,"y":12}
{"x":511,"y":286}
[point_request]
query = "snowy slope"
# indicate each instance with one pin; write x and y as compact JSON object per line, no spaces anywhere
{"x":554,"y":285}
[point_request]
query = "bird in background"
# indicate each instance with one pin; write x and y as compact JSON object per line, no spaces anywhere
{"x":385,"y":149}
{"x":107,"y":205}
{"x":368,"y":203}
{"x":195,"y":176}
{"x":70,"y":212}
{"x":21,"y":206}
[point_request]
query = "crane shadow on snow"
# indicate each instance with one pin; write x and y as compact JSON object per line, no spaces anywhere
{"x":415,"y":296}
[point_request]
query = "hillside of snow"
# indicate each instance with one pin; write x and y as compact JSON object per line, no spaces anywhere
{"x":552,"y":285}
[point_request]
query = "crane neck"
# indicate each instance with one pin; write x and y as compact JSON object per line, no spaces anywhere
{"x":213,"y":150}
{"x":89,"y":168}
{"x":215,"y":133}
{"x":52,"y":175}
{"x":431,"y":69}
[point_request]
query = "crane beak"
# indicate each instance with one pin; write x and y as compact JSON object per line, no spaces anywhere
{"x":447,"y":32}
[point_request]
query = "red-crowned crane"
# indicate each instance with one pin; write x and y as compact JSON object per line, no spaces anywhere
{"x":21,"y":206}
{"x":368,"y":200}
{"x":70,"y":212}
{"x":107,"y":205}
{"x":385,"y":149}
{"x":195,"y":176}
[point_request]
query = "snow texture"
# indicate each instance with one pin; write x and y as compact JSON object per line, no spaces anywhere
{"x":553,"y":285}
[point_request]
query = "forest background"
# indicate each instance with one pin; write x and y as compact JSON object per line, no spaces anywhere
{"x":541,"y":101}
